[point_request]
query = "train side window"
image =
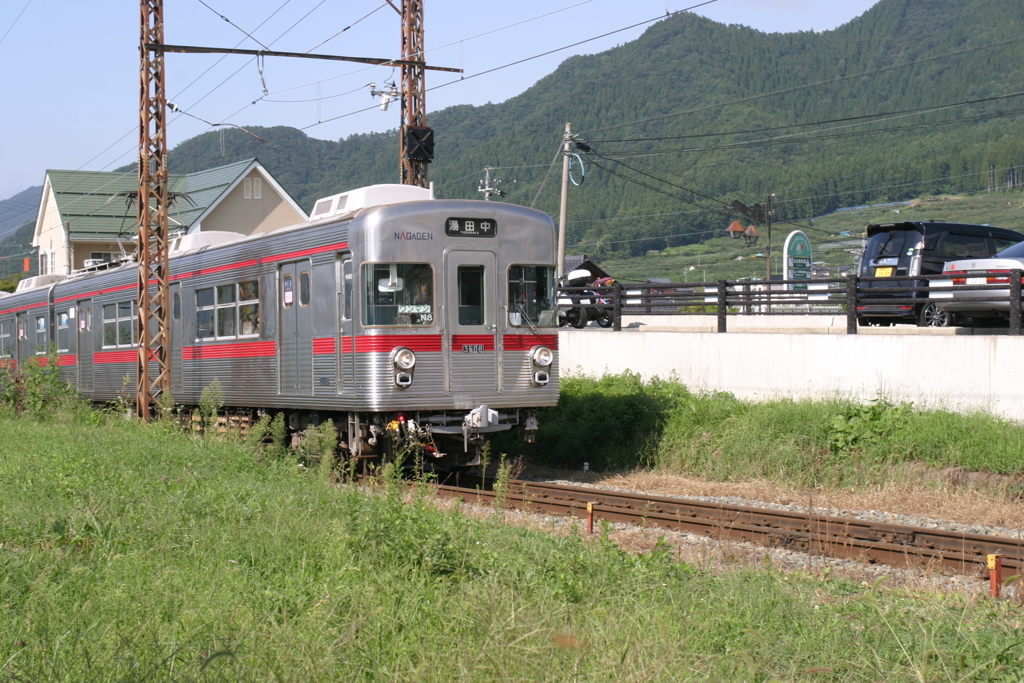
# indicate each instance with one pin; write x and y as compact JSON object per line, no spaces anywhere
{"x":63,"y":318}
{"x":471,"y":295}
{"x":119,"y":324}
{"x":176,"y":306}
{"x":41,"y":340}
{"x":6,"y":339}
{"x":304,"y":288}
{"x":205,"y":308}
{"x":287,"y":291}
{"x":398,"y":294}
{"x":226,"y":311}
{"x":346,"y":289}
{"x":249,"y":308}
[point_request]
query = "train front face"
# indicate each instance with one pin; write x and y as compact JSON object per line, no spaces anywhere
{"x":456,"y":313}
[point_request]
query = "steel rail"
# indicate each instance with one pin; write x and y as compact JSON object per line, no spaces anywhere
{"x":809,"y":532}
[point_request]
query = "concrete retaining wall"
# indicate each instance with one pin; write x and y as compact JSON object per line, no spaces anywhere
{"x":953,"y":372}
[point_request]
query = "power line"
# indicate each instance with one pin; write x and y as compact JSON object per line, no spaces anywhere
{"x":249,"y":35}
{"x":805,"y":86}
{"x":890,"y":115}
{"x":11,"y":27}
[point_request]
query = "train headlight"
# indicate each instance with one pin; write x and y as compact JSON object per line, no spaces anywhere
{"x":403,"y":358}
{"x":542,"y":356}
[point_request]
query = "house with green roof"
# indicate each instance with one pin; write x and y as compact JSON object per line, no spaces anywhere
{"x":87,"y":217}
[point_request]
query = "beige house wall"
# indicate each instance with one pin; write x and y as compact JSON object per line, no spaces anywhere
{"x":50,"y":237}
{"x":80,"y":251}
{"x":251,"y":216}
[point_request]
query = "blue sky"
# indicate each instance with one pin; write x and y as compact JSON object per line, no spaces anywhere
{"x":70,"y":76}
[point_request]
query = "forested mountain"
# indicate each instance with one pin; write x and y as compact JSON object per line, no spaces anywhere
{"x":17,"y":217}
{"x":695,"y":114}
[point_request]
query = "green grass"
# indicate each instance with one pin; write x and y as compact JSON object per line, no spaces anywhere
{"x":137,"y":553}
{"x":716,"y":258}
{"x":620,"y":422}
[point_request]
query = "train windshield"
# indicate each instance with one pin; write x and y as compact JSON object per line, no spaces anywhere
{"x":531,"y":296}
{"x":398,"y":294}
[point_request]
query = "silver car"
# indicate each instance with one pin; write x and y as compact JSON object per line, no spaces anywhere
{"x":979,"y":305}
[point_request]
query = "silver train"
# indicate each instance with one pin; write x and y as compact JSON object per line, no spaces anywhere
{"x":432,"y":322}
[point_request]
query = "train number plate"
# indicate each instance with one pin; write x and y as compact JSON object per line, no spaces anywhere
{"x":883,"y":272}
{"x":472,"y":348}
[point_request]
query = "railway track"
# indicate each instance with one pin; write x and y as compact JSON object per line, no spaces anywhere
{"x":847,"y":538}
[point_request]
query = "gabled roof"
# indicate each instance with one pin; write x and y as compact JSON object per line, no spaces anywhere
{"x":88,"y":201}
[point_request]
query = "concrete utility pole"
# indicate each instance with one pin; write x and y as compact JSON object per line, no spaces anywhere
{"x":566,"y":150}
{"x":153,"y":326}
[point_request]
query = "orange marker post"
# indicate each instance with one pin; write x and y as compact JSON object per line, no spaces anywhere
{"x":995,"y":574}
{"x":590,"y":518}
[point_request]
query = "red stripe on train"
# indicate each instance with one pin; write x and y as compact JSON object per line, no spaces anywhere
{"x":214,"y":269}
{"x":324,"y":346}
{"x":262,"y":349}
{"x":385,"y":343}
{"x":304,"y":252}
{"x":129,"y":356}
{"x":62,"y":361}
{"x":525,"y":342}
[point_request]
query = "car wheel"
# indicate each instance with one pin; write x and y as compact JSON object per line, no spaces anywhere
{"x":580,"y":319}
{"x":931,"y":316}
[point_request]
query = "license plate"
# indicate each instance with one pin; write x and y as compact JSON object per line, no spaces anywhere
{"x":472,"y":348}
{"x":883,"y":272}
{"x":977,"y":280}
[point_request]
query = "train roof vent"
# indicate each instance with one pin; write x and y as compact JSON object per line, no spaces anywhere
{"x":201,"y":240}
{"x":38,"y":281}
{"x":352,"y":202}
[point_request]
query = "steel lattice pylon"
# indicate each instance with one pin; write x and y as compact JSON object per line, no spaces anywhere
{"x":414,"y":103}
{"x":153,"y":326}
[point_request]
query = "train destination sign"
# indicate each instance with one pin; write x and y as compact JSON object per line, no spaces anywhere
{"x":470,"y":227}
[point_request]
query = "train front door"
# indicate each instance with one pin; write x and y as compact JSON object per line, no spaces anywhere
{"x":295,"y":332}
{"x":471,"y":323}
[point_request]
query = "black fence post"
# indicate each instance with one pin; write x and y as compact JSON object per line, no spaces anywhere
{"x":746,"y":298}
{"x":851,"y":303}
{"x":723,"y":308}
{"x":617,"y":307}
{"x":1015,"y":302}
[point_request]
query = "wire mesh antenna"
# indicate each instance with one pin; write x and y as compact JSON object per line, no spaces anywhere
{"x":416,"y":140}
{"x":153,"y":324}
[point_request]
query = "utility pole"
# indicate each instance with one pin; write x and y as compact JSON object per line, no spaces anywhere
{"x":416,"y":140}
{"x":566,"y":149}
{"x":153,"y":326}
{"x":768,"y":224}
{"x":485,"y":185}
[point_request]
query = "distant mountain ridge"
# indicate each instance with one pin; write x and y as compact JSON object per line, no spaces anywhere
{"x":694,"y":114}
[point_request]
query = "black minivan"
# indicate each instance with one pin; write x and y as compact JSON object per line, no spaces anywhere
{"x":901,"y":250}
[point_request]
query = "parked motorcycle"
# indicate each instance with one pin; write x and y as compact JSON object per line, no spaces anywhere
{"x":580,"y":307}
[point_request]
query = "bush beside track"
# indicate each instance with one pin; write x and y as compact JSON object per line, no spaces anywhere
{"x":620,"y":422}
